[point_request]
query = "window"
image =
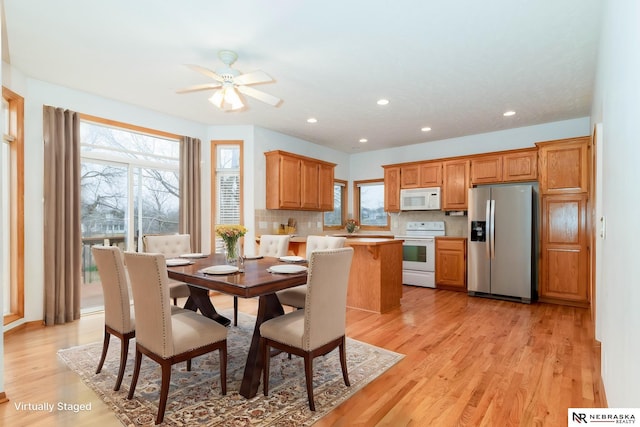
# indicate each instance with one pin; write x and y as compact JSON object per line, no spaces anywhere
{"x":369,"y":205}
{"x":336,"y":218}
{"x":12,"y":216}
{"x":227,"y":188}
{"x":129,"y":187}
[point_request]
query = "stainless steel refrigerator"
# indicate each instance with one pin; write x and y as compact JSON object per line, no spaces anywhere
{"x":502,"y":242}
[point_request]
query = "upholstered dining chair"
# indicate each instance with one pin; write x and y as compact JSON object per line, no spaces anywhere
{"x":295,"y":297}
{"x":171,"y":246}
{"x":320,"y":327}
{"x":165,"y":338}
{"x":119,"y":319}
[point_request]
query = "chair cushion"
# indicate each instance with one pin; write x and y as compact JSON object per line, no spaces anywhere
{"x":178,"y":289}
{"x":293,"y":297}
{"x":287,"y":329}
{"x":192,"y":330}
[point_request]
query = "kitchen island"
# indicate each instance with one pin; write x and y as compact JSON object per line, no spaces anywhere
{"x":375,"y":280}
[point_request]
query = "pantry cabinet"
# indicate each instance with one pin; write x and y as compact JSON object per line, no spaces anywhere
{"x":564,"y":240}
{"x":451,"y":263}
{"x":298,"y":182}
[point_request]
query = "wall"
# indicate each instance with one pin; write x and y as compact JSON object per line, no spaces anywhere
{"x":37,"y":94}
{"x":524,"y":137}
{"x":616,"y":111}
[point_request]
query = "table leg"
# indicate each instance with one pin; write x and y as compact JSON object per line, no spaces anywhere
{"x":268,"y":307}
{"x":199,"y":300}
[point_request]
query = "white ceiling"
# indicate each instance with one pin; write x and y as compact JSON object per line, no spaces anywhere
{"x":454,"y":66}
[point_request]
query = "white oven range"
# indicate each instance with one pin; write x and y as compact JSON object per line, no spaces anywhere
{"x":418,"y":252}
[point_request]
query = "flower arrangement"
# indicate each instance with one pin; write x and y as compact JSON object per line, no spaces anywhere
{"x":352,"y":225}
{"x":230,"y":235}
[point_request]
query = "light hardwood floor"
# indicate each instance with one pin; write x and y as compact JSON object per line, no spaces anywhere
{"x":469,"y":361}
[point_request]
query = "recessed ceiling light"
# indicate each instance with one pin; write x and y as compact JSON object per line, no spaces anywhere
{"x":509,"y":113}
{"x":312,"y":120}
{"x":363,"y":140}
{"x":425,"y":129}
{"x":383,"y":101}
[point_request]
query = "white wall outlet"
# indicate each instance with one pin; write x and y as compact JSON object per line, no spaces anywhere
{"x":319,"y":224}
{"x":309,"y":224}
{"x":262,"y":225}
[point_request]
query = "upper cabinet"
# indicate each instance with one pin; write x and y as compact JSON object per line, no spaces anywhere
{"x":455,"y":184}
{"x":420,"y":175}
{"x":564,"y":166}
{"x":391,"y":188}
{"x":298,"y":182}
{"x":510,"y":166}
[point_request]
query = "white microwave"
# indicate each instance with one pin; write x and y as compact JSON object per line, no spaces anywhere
{"x":420,"y":199}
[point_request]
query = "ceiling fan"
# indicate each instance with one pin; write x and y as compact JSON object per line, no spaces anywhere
{"x":230,"y":84}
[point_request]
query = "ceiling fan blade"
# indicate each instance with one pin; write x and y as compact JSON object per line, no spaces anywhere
{"x":259,"y":95}
{"x":207,"y":72}
{"x":252,"y":78}
{"x":196,"y":88}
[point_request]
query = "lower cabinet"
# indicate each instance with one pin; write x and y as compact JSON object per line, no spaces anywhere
{"x":451,"y":263}
{"x":564,"y":263}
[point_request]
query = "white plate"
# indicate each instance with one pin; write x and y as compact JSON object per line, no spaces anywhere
{"x":287,"y":268}
{"x":173,"y":262}
{"x":220,"y":269}
{"x":252,"y":256}
{"x":193,"y":255}
{"x":291,"y":258}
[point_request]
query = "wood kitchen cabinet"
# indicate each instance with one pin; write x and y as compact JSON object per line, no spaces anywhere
{"x":421,"y":175}
{"x":486,"y":169}
{"x":564,"y":250}
{"x":510,"y":166}
{"x":521,"y":165}
{"x":391,"y":188}
{"x":298,"y":182}
{"x":455,"y":184}
{"x":564,"y":240}
{"x":451,"y":263}
{"x":564,"y":166}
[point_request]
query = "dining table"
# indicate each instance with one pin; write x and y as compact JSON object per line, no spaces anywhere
{"x":253,"y":279}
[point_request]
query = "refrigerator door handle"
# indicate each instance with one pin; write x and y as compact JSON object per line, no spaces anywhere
{"x":492,"y":230}
{"x":488,"y":230}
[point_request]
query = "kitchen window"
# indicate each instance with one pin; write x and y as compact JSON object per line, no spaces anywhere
{"x":369,"y":205}
{"x":336,"y":218}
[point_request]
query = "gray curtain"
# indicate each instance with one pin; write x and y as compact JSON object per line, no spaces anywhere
{"x":190,"y":217}
{"x":62,"y":232}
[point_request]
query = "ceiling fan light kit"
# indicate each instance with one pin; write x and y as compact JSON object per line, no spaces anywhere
{"x":230,"y":83}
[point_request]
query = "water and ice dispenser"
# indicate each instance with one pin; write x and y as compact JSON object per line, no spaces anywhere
{"x":478,"y":233}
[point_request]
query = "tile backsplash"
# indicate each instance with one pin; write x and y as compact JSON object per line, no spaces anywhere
{"x":308,"y":222}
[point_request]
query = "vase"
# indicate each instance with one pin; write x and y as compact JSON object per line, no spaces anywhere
{"x":232,"y":251}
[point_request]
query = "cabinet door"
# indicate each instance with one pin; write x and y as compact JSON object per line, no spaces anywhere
{"x":392,"y":189}
{"x":520,"y":166}
{"x":431,"y":174}
{"x":451,"y":271}
{"x":564,"y":266}
{"x":289,"y":182}
{"x":326,"y":187}
{"x":564,"y":166}
{"x":309,"y":185}
{"x":455,"y":184}
{"x":410,"y":176}
{"x":486,"y":170}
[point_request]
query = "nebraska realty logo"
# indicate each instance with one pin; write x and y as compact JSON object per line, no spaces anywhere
{"x":602,"y":416}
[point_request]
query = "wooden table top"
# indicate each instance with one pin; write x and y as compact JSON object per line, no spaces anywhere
{"x":255,"y":281}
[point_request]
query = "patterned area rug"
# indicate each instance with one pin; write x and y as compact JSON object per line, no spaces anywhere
{"x":195,"y":399}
